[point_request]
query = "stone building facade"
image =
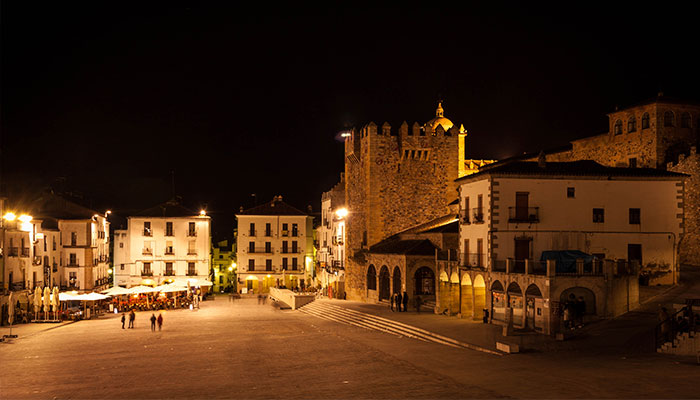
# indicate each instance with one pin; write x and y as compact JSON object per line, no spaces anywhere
{"x":690,"y":243}
{"x":650,"y":134}
{"x":396,"y":179}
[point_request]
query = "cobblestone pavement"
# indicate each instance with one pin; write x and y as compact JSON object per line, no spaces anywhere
{"x":246,"y":350}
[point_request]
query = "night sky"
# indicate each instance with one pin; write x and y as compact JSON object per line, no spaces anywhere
{"x":106,"y":101}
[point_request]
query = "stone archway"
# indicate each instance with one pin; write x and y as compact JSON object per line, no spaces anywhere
{"x":576,"y":292}
{"x":384,"y":283}
{"x":397,"y":280}
{"x":467,"y":297}
{"x":534,"y":305}
{"x":454,"y":294}
{"x":516,"y":303}
{"x":498,"y":301}
{"x":371,"y":278}
{"x":424,"y":282}
{"x":479,"y":288}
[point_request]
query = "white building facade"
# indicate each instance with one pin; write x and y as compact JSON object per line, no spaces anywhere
{"x":331,"y":240}
{"x":274,"y":247}
{"x":617,"y":222}
{"x":162,"y":244}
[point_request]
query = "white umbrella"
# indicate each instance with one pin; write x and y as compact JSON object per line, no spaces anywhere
{"x":65,"y":296}
{"x":37,"y":302}
{"x":47,"y":302}
{"x":10,"y":312}
{"x":170,"y":288}
{"x":116,"y":291}
{"x":92,"y":297}
{"x":55,"y":302}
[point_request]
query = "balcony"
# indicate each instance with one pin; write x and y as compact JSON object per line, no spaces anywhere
{"x":191,"y":252}
{"x":285,"y":232}
{"x":37,"y":260}
{"x":191,"y":272}
{"x":147,"y":252}
{"x":13,"y":252}
{"x":523,"y":214}
{"x":268,"y":233}
{"x":191,"y":233}
{"x":25,"y":252}
{"x":169,"y":273}
{"x":477,"y":215}
{"x":252,"y":232}
{"x":169,"y":251}
{"x":147,"y":232}
{"x":292,"y":251}
{"x":260,"y":250}
{"x":146,"y":273}
{"x":337,"y":264}
{"x":473,"y":260}
{"x":464,"y":217}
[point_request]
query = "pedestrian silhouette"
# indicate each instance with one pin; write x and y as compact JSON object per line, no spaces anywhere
{"x":132,"y":317}
{"x":153,"y":322}
{"x":123,"y":319}
{"x":160,"y":321}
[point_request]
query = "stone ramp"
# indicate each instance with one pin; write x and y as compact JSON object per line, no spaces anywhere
{"x":335,"y":313}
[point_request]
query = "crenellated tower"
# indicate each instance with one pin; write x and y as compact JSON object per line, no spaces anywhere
{"x":396,"y":179}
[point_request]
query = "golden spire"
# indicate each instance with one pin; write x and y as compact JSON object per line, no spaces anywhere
{"x":439,"y":111}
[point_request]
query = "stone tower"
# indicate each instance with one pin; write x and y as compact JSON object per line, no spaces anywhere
{"x":396,"y":179}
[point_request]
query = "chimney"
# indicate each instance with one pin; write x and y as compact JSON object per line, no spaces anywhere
{"x":542,"y":159}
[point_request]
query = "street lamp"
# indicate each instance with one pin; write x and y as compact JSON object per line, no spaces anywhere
{"x":341,"y":212}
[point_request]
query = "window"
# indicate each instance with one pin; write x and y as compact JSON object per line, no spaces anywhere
{"x":294,"y":246}
{"x":285,"y":246}
{"x":632,"y":124}
{"x":251,"y":265}
{"x":285,"y":262}
{"x":121,"y":267}
{"x":295,"y":230}
{"x":294,"y":264}
{"x":598,"y":215}
{"x":121,"y":245}
{"x":73,"y":239}
{"x":268,"y":265}
{"x":685,"y":120}
{"x":221,"y":279}
{"x":617,"y":129}
{"x":169,"y":269}
{"x":252,"y":229}
{"x":191,"y":248}
{"x":191,"y":270}
{"x":169,"y":247}
{"x":285,"y":229}
{"x":148,"y":247}
{"x":635,"y":216}
{"x":570,"y":192}
{"x":268,"y":247}
{"x":147,"y":269}
{"x":645,"y":121}
{"x":147,"y":228}
{"x":669,"y":119}
{"x":54,"y":242}
{"x":268,"y":230}
{"x":168,"y":229}
{"x":633,"y":162}
{"x":72,"y":259}
{"x":251,"y":247}
{"x":191,"y":231}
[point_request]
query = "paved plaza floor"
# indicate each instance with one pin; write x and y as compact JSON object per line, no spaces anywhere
{"x":245,"y":350}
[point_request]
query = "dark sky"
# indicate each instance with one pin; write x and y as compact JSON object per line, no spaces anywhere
{"x":106,"y":100}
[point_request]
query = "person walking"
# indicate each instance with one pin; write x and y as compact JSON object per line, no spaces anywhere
{"x":405,"y":301}
{"x":153,"y":322}
{"x":160,"y":321}
{"x":398,"y":301}
{"x":123,"y":319}
{"x":132,"y":317}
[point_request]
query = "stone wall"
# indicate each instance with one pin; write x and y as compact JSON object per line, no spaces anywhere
{"x":393,"y":182}
{"x":690,"y":243}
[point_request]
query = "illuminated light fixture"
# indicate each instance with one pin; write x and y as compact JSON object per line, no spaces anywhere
{"x":230,"y":269}
{"x":341,"y":212}
{"x":39,"y":236}
{"x":233,"y":265}
{"x":109,"y":271}
{"x":345,"y":134}
{"x":10,"y":216}
{"x":108,"y":212}
{"x":25,"y":218}
{"x":202,"y":213}
{"x":26,"y":227}
{"x":268,"y":275}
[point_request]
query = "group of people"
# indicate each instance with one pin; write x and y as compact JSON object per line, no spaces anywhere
{"x":574,"y":312}
{"x":684,"y":321}
{"x":398,"y":300}
{"x":154,"y":320}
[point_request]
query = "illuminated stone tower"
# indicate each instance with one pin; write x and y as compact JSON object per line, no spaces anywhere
{"x":396,"y":179}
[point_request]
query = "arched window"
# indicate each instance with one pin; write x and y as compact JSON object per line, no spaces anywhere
{"x":424,"y":281}
{"x":685,"y":120}
{"x":668,"y":118}
{"x":645,"y":121}
{"x":632,"y":124}
{"x":617,"y":129}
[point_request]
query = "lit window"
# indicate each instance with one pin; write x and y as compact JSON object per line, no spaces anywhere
{"x":645,"y":121}
{"x":632,"y":124}
{"x":617,"y":129}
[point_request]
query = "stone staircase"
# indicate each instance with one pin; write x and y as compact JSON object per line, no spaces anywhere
{"x":331,"y":312}
{"x":686,"y":343}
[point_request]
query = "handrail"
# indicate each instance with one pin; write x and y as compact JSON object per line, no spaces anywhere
{"x":674,"y":329}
